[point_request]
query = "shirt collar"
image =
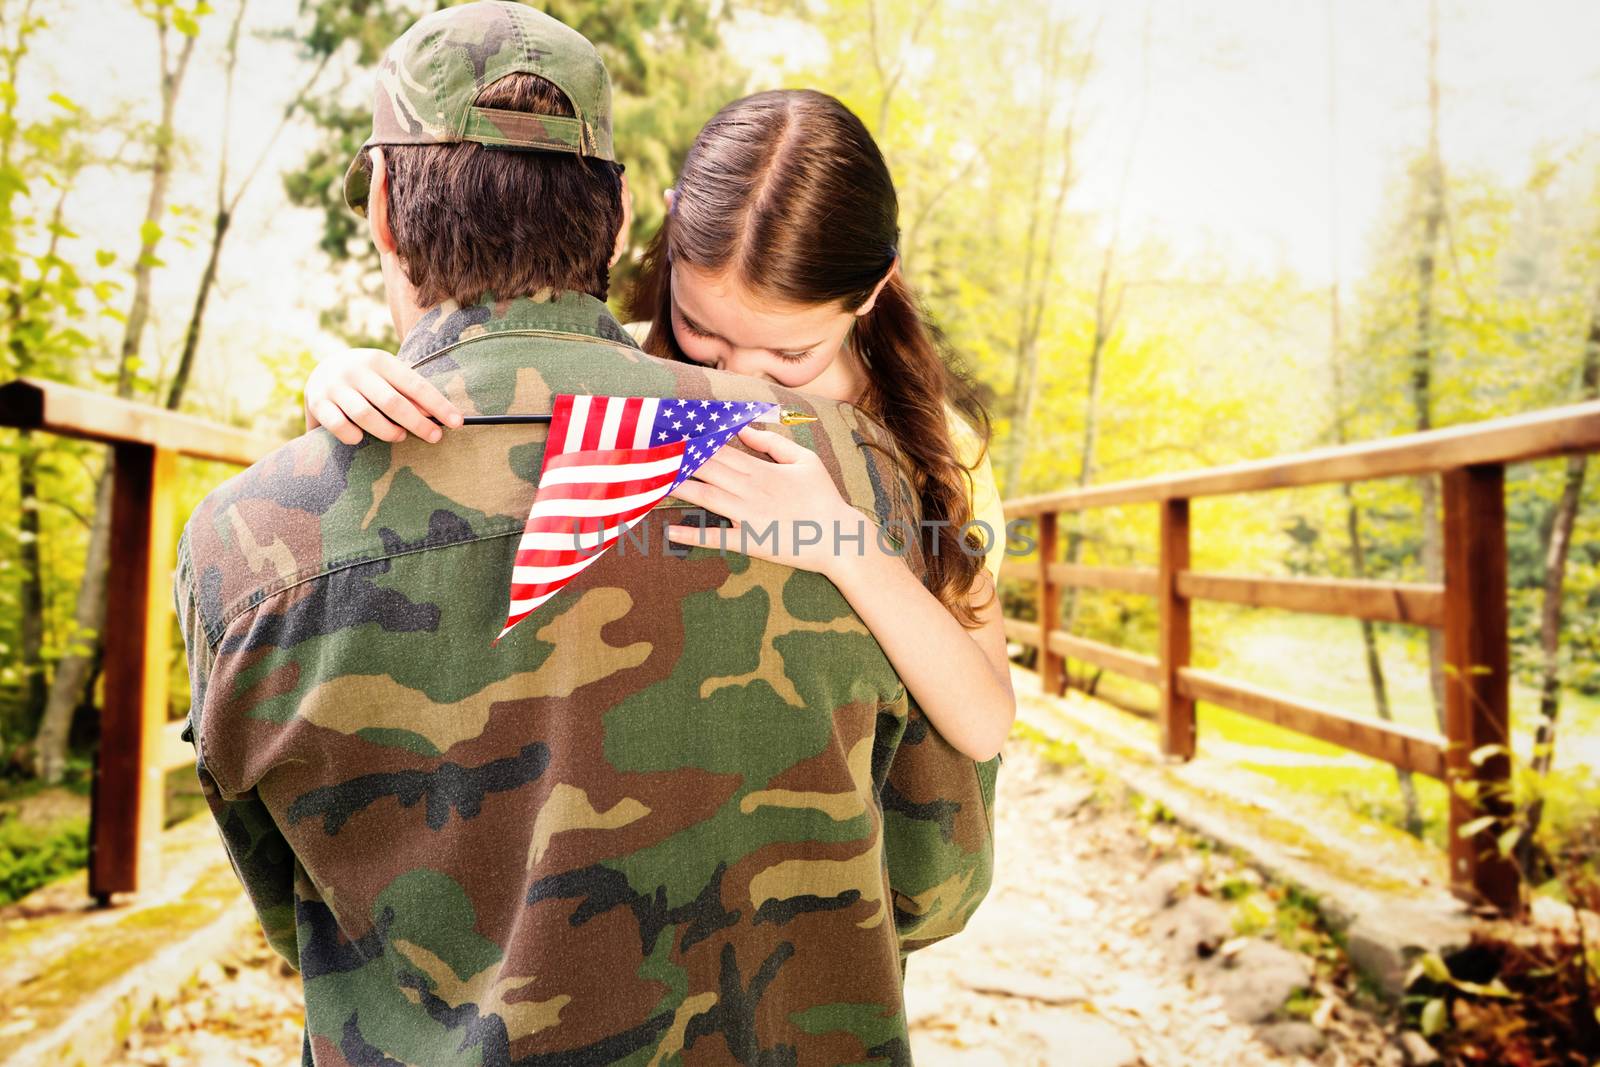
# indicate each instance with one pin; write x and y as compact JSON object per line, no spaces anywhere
{"x":451,"y":324}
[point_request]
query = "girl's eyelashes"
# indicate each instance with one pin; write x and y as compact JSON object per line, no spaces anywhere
{"x":693,"y":329}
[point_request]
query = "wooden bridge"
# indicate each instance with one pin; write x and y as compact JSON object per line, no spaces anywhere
{"x":139,"y":744}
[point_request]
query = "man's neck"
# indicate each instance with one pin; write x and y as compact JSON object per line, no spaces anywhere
{"x":401,"y":296}
{"x":405,"y":320}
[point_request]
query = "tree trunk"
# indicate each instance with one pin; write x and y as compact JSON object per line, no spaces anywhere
{"x":155,"y":208}
{"x":1558,"y":545}
{"x":1039,"y":264}
{"x":32,"y":622}
{"x":1422,"y":357}
{"x":35,"y":688}
{"x":191,"y":336}
{"x":76,"y":668}
{"x":223,"y":216}
{"x":1369,"y":643}
{"x":1027,"y":366}
{"x":1107,"y":309}
{"x":1352,"y":511}
{"x":1103,"y":319}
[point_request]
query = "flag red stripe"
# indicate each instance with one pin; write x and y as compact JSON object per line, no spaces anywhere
{"x":595,"y":423}
{"x":603,"y":490}
{"x":615,"y":457}
{"x":560,"y":416}
{"x":630,"y":421}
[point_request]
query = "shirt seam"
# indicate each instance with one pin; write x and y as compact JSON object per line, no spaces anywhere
{"x":568,"y":334}
{"x":254,"y":599}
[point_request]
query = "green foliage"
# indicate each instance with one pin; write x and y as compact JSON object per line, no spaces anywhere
{"x":32,"y":856}
{"x":45,"y":302}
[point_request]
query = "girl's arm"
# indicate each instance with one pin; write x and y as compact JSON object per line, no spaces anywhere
{"x":959,"y":677}
{"x":368,"y":390}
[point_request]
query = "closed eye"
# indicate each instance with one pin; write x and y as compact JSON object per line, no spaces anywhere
{"x":689,"y":324}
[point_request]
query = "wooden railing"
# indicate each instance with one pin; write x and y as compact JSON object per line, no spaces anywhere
{"x":137,"y":744}
{"x":1470,"y":607}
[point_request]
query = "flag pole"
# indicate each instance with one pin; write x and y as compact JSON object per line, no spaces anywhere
{"x":784,"y":418}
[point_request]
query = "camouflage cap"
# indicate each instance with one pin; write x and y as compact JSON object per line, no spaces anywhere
{"x":430,"y":79}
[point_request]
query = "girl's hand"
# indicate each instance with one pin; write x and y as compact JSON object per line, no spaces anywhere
{"x":792,"y":495}
{"x":367,"y":389}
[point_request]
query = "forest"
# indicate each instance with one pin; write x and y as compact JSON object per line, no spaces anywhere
{"x":171,"y":231}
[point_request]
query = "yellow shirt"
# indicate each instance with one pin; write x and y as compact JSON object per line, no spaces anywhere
{"x":985,"y":493}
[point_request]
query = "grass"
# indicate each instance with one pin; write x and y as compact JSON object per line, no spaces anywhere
{"x":44,"y":830}
{"x":33,"y":855}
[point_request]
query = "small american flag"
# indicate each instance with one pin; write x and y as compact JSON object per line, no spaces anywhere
{"x":607,"y":462}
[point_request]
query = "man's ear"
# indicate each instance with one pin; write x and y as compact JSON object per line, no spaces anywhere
{"x":621,"y":245}
{"x":872,"y":301}
{"x":378,"y":204}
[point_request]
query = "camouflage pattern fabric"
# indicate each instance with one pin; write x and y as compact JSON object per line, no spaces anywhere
{"x":430,"y":78}
{"x":686,"y":815}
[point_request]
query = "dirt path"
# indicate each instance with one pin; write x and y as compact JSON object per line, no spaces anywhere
{"x":1071,"y":960}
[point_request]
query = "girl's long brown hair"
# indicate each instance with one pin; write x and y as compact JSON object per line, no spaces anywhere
{"x":788,"y":189}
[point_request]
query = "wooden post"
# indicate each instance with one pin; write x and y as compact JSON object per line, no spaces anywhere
{"x":1052,"y":666}
{"x":1177,"y":710}
{"x":1477,"y":685}
{"x":125,"y":819}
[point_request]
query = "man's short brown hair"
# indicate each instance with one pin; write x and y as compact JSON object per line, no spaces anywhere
{"x":470,"y":220}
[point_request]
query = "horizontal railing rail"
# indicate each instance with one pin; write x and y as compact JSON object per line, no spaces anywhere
{"x":137,"y":744}
{"x":1539,"y":435}
{"x":1469,"y":606}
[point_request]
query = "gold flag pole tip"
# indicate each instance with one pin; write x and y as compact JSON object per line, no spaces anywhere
{"x":795,"y":418}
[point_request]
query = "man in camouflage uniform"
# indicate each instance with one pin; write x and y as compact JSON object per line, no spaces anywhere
{"x":684,"y":814}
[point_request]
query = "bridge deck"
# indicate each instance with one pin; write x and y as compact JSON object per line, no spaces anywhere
{"x":74,"y":978}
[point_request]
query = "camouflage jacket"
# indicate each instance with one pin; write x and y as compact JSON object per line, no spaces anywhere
{"x":684,"y":813}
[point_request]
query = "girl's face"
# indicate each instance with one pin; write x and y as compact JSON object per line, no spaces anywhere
{"x":720,"y":323}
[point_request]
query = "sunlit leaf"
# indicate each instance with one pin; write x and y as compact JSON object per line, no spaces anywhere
{"x":1434,"y":1017}
{"x":1483,"y":753}
{"x":1433,"y":967}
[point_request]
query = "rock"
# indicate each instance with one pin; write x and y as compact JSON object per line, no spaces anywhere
{"x":1073,"y":801}
{"x":1005,"y":982}
{"x":1192,"y":929}
{"x":1292,"y":1038}
{"x":1254,"y":981}
{"x":1418,"y":1052}
{"x":925,"y":1002}
{"x":1159,"y":889}
{"x":1383,"y":943}
{"x":1081,"y":1040}
{"x":941,"y":1054}
{"x":211,"y":974}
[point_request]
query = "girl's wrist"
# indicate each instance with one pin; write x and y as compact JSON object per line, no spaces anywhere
{"x":858,"y":555}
